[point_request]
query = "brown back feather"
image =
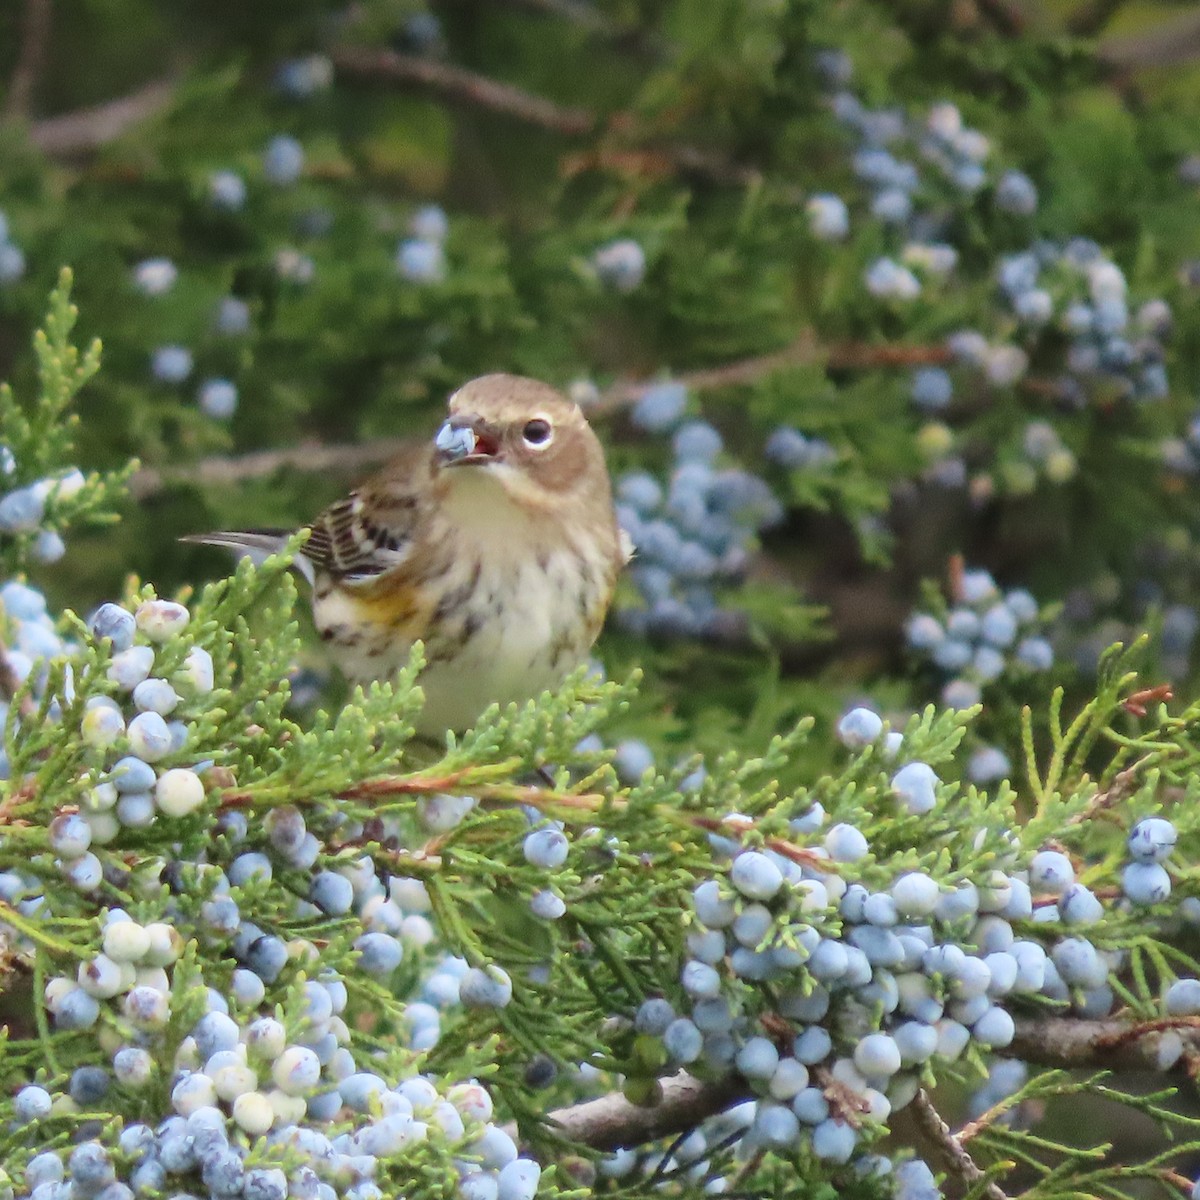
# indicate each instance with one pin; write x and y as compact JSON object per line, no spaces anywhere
{"x":372,"y":530}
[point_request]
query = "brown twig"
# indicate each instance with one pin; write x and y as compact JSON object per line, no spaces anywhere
{"x":1135,"y":705}
{"x":35,"y":36}
{"x":82,"y":132}
{"x":1121,"y":786}
{"x":801,"y":855}
{"x":367,"y":64}
{"x":1182,"y":1182}
{"x":350,"y":459}
{"x":588,"y":803}
{"x":948,"y":1149}
{"x":844,"y":1101}
{"x":458,"y":85}
{"x":985,"y":1120}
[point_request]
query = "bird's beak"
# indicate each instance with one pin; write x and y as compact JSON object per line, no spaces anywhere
{"x":466,"y":441}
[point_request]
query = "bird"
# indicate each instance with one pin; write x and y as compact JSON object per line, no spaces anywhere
{"x":496,"y":545}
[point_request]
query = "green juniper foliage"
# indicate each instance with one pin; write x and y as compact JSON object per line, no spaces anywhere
{"x":237,"y":938}
{"x":880,"y":813}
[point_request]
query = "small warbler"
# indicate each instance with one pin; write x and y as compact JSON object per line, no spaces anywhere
{"x":496,"y":545}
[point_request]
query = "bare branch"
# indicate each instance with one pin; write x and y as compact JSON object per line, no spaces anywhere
{"x":947,"y":1149}
{"x":733,"y":374}
{"x":577,"y":12}
{"x":1005,"y":16}
{"x":352,"y":459}
{"x":1091,"y":18}
{"x":84,"y":131}
{"x":35,"y":36}
{"x":612,"y":1121}
{"x":1113,"y":1044}
{"x":375,"y":65}
{"x":458,"y":85}
{"x":1163,"y":45}
{"x":229,"y":472}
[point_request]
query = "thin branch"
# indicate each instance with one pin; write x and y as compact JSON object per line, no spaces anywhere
{"x":612,"y":1121}
{"x":1092,"y":17}
{"x":458,"y":85}
{"x":10,"y":685}
{"x":351,"y":459}
{"x":1164,"y":45}
{"x":84,"y":131}
{"x":577,"y":12}
{"x":35,"y":36}
{"x":585,"y":16}
{"x":1122,"y":786}
{"x":664,"y":162}
{"x":1005,"y":16}
{"x":377,"y":65}
{"x":550,"y":802}
{"x":947,"y":1149}
{"x":734,"y":374}
{"x":229,"y":472}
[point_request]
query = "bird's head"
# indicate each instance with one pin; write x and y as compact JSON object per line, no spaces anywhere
{"x":526,"y":437}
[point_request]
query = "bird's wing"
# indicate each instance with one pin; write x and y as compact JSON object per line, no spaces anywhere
{"x":356,"y":539}
{"x":257,"y":543}
{"x":371,"y":531}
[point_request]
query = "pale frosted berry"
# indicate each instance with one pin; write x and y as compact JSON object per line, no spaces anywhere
{"x":1151,"y":840}
{"x":161,"y":620}
{"x":859,"y":728}
{"x":755,"y":875}
{"x":178,"y":792}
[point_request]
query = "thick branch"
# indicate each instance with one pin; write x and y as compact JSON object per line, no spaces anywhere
{"x":373,"y":65}
{"x":612,"y":1121}
{"x":35,"y":35}
{"x":1064,"y":1042}
{"x":948,"y":1151}
{"x":76,"y":134}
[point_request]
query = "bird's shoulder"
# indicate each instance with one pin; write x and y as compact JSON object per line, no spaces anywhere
{"x":376,"y":527}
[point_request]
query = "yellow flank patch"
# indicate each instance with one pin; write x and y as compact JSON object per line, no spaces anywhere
{"x":395,"y":605}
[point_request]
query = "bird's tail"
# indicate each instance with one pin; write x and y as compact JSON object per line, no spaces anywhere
{"x":257,"y":543}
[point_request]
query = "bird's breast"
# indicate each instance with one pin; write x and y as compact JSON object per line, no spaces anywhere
{"x":504,"y":615}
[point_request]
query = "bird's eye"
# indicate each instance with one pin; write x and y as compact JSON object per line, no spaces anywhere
{"x":537,"y":432}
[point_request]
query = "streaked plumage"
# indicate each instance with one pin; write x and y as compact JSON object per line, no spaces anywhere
{"x":496,"y":545}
